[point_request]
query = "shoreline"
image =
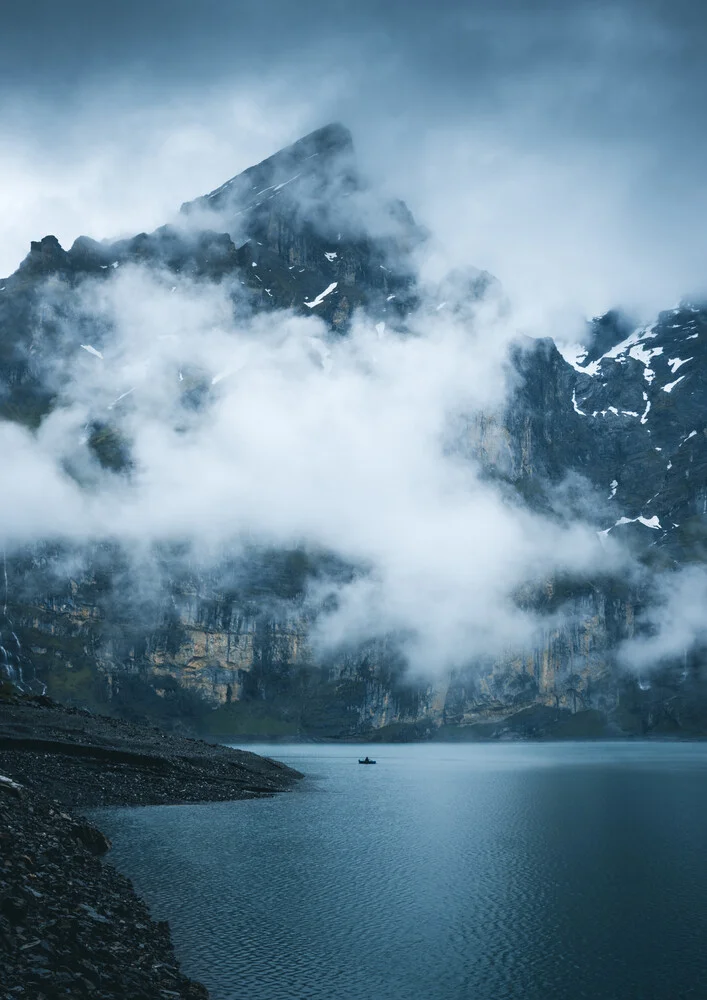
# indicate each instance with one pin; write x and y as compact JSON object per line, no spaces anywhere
{"x":70,"y":924}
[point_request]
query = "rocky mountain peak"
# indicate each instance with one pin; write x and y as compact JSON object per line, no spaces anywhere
{"x":616,"y":433}
{"x":313,"y":161}
{"x":44,"y":256}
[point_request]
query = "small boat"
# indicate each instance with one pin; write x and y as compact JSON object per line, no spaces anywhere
{"x":367,"y":760}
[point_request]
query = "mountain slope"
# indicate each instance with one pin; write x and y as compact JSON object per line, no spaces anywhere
{"x":617,"y":438}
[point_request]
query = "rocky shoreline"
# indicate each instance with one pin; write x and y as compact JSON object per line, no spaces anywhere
{"x":70,"y":924}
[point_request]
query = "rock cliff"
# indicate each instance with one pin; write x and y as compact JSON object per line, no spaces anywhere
{"x":230,"y":650}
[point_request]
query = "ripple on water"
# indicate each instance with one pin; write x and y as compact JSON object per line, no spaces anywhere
{"x":542,"y":873}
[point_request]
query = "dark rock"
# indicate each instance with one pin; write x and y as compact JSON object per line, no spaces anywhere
{"x":92,"y":838}
{"x":275,"y":237}
{"x":70,"y":925}
{"x":14,"y":908}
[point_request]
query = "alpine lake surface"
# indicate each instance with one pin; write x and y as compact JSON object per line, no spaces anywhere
{"x":534,"y":871}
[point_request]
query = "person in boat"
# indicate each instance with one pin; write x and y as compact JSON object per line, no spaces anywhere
{"x":366,"y":760}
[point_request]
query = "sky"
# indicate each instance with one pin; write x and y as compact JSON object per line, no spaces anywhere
{"x":558,"y":145}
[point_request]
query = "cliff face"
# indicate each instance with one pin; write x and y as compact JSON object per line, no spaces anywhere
{"x":259,"y":673}
{"x":237,"y":653}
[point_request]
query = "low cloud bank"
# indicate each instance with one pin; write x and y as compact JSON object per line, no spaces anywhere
{"x":673,"y":626}
{"x":268,"y":431}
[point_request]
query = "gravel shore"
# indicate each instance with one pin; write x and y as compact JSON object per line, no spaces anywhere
{"x":70,"y":924}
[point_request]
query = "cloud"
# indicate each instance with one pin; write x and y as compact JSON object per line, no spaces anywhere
{"x":673,"y":625}
{"x":342,"y":445}
{"x":121,"y":164}
{"x":559,"y":148}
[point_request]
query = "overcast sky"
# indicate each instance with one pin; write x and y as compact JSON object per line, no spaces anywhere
{"x":560,"y":145}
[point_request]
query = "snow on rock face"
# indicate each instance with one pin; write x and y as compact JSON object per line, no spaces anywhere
{"x":690,"y":435}
{"x":649,"y":522}
{"x":574,"y":354}
{"x":123,"y":395}
{"x":643,"y":354}
{"x":671,"y":385}
{"x":675,"y":363}
{"x":92,"y":350}
{"x":322,"y":295}
{"x":631,"y":346}
{"x":331,"y":256}
{"x":614,"y":486}
{"x":644,"y":415}
{"x":575,"y":405}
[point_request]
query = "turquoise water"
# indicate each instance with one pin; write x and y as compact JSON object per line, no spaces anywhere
{"x":542,"y":872}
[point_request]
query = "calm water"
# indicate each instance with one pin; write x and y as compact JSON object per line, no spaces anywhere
{"x":550,"y":872}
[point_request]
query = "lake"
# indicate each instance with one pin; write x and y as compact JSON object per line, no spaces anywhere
{"x":533,"y":871}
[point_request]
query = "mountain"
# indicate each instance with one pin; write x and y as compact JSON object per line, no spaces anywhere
{"x":618,"y":431}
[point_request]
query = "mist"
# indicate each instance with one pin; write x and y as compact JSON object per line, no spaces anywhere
{"x":557,"y":149}
{"x":672,"y":626}
{"x":348,"y":446}
{"x":539,"y":146}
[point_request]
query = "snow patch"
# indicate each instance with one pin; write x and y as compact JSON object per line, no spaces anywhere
{"x":614,"y":487}
{"x":644,"y":415}
{"x":644,"y":354}
{"x":675,"y":363}
{"x":574,"y":354}
{"x":574,"y":404}
{"x":122,"y":396}
{"x":331,"y":256}
{"x":649,"y":522}
{"x":322,"y":295}
{"x":632,"y":344}
{"x":92,"y":350}
{"x":671,"y":385}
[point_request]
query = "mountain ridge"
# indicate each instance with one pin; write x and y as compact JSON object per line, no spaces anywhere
{"x":602,"y":420}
